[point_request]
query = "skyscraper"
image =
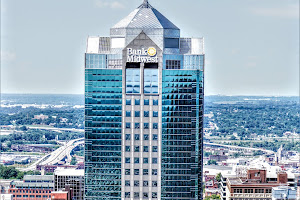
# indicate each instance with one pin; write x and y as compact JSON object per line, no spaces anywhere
{"x":144,"y":111}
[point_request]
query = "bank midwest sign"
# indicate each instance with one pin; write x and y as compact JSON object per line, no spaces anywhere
{"x":142,"y":55}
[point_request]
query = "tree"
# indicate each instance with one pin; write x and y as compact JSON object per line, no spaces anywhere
{"x":218,"y":177}
{"x":212,"y":197}
{"x":73,"y":161}
{"x":23,"y":128}
{"x":232,"y":137}
{"x":212,"y":162}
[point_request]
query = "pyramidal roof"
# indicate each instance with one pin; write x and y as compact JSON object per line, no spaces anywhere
{"x":145,"y":16}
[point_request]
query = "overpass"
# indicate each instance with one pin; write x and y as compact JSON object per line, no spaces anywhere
{"x":239,"y":148}
{"x":57,"y":155}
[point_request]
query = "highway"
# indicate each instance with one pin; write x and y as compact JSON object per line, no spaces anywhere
{"x":239,"y":148}
{"x":57,"y":155}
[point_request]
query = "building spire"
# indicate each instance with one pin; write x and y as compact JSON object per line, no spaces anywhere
{"x":145,"y":4}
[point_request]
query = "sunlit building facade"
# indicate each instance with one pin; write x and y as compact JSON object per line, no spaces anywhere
{"x":144,"y":111}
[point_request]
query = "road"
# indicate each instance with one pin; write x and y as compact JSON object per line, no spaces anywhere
{"x":57,"y":155}
{"x":241,"y":148}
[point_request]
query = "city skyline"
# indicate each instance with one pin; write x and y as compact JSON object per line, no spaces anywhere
{"x":253,"y":50}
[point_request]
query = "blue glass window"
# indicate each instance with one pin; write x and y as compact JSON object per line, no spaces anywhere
{"x":154,"y":160}
{"x":146,"y":102}
{"x":173,"y":64}
{"x":137,"y":137}
{"x":136,"y":195}
{"x":136,"y":172}
{"x":127,"y":160}
{"x":137,"y":102}
{"x":172,"y":43}
{"x":155,"y":102}
{"x":136,"y":160}
{"x":136,"y":183}
{"x":154,"y":171}
{"x":127,"y":171}
{"x":154,"y":194}
{"x":155,"y":113}
{"x":145,"y":171}
{"x":146,"y":125}
{"x":133,"y":81}
{"x":137,"y":114}
{"x":127,"y":183}
{"x":136,"y":149}
{"x":145,"y":183}
{"x":155,"y":125}
{"x":128,"y":102}
{"x":127,"y":194}
{"x":145,"y":194}
{"x":96,"y":61}
{"x":155,"y":136}
{"x":154,"y":183}
{"x":146,"y":113}
{"x":127,"y":148}
{"x":146,"y":137}
{"x":127,"y":125}
{"x":128,"y":113}
{"x":154,"y":149}
{"x":145,"y":160}
{"x":127,"y":137}
{"x":137,"y":125}
{"x":146,"y":149}
{"x":151,"y":81}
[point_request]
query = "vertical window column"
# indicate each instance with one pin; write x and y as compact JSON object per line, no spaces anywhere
{"x":151,"y":81}
{"x":133,"y":81}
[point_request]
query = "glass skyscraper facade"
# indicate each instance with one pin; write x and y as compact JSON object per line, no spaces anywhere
{"x":144,"y":111}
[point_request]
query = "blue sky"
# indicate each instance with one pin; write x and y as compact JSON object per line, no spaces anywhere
{"x":252,"y":46}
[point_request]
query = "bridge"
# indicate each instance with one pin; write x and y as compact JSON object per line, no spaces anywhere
{"x":57,"y":155}
{"x":248,"y":149}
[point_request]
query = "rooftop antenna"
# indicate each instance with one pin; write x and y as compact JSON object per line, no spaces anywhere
{"x":145,"y":4}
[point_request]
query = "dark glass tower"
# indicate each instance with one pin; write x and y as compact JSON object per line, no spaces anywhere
{"x":144,"y":111}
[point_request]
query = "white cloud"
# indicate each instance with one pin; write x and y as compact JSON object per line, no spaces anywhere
{"x":8,"y":56}
{"x":289,"y":11}
{"x":109,"y":4}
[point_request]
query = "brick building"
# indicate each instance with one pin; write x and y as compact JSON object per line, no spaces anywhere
{"x":33,"y":187}
{"x":256,"y":186}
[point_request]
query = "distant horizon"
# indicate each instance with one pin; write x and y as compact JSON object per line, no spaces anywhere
{"x":226,"y":95}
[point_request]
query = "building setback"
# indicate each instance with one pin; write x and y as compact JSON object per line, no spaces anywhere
{"x":144,"y":111}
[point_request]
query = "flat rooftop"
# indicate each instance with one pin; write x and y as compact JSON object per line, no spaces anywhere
{"x":69,"y":172}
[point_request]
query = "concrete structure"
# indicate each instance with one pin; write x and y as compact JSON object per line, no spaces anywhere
{"x":4,"y":186}
{"x":71,"y":180}
{"x":254,"y":186}
{"x":144,"y":111}
{"x":6,"y":196}
{"x":284,"y":193}
{"x":34,"y":187}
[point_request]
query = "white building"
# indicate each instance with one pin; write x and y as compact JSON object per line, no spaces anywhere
{"x":283,"y":192}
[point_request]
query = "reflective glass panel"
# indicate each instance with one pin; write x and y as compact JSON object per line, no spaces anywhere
{"x":133,"y":81}
{"x":150,"y":81}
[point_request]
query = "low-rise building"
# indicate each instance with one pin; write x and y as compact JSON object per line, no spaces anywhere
{"x":254,"y":186}
{"x":218,"y":158}
{"x":41,"y":117}
{"x":70,"y":180}
{"x":34,"y":187}
{"x":283,"y":193}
